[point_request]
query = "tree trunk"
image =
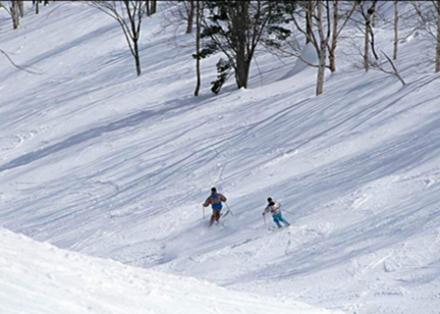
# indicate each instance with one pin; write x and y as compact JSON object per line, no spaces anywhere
{"x":309,"y":22}
{"x":323,"y":51}
{"x":153,"y":6}
{"x":147,"y":7}
{"x":198,"y":22}
{"x":15,"y":14}
{"x":21,"y":7}
{"x":366,"y":45}
{"x":137,"y":58}
{"x":332,"y":58}
{"x":367,"y":40}
{"x":37,"y":7}
{"x":396,"y":30}
{"x":437,"y":54}
{"x":46,"y":3}
{"x":190,"y":17}
{"x":242,"y":73}
{"x":242,"y":62}
{"x":374,"y":15}
{"x":321,"y":71}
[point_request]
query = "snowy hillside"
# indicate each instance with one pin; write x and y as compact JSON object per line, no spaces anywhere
{"x":97,"y":161}
{"x":39,"y":278}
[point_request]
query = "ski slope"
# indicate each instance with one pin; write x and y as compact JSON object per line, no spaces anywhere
{"x":39,"y":278}
{"x":97,"y":161}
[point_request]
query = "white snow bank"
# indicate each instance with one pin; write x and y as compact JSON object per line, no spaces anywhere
{"x":39,"y":278}
{"x":308,"y":56}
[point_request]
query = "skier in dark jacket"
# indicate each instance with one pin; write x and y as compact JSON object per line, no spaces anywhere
{"x":215,"y":200}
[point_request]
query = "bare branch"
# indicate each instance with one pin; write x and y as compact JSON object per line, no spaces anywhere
{"x":394,"y":71}
{"x":16,"y":65}
{"x":129,"y":16}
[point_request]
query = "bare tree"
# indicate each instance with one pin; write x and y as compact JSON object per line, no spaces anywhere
{"x":16,"y":10}
{"x":190,"y":17}
{"x":21,"y":7}
{"x":15,"y":14}
{"x":374,"y":15}
{"x":153,"y":8}
{"x":336,"y":30}
{"x":199,"y":11}
{"x":367,"y":12}
{"x":367,"y":9}
{"x":147,"y":7}
{"x":437,"y":53}
{"x":380,"y":65}
{"x":429,"y":14}
{"x":341,"y":12}
{"x":322,"y":21}
{"x":396,"y":29}
{"x":129,"y":16}
{"x":178,"y":13}
{"x":323,"y":41}
{"x":309,"y":20}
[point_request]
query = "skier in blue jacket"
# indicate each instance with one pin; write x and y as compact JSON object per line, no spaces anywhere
{"x":274,"y":209}
{"x":215,"y":200}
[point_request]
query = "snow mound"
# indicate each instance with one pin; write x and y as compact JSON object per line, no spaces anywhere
{"x":308,"y":56}
{"x":40,"y":278}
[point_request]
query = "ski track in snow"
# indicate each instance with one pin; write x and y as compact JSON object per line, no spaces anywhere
{"x":97,"y":161}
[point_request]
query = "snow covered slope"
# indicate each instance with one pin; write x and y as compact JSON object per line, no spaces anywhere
{"x":98,"y":161}
{"x":37,"y":278}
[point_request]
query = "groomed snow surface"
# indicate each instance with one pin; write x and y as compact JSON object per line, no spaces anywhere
{"x":104,"y":165}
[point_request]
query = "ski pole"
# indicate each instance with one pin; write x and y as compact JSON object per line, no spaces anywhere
{"x":264,"y":218}
{"x":229,"y":209}
{"x":288,"y":212}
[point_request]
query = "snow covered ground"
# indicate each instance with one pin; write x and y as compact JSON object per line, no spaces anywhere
{"x":98,"y":161}
{"x":39,"y":278}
